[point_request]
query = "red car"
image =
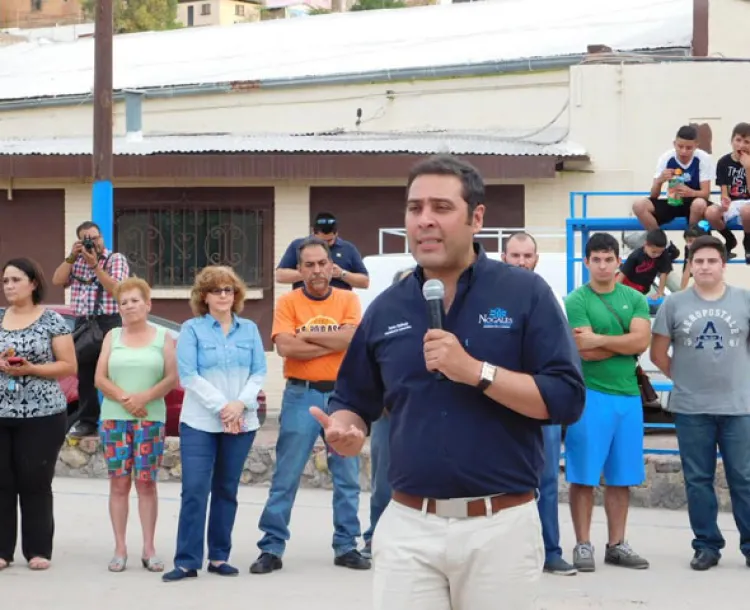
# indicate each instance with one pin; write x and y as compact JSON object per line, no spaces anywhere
{"x":173,"y":399}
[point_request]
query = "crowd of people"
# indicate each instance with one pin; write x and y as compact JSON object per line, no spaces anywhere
{"x":465,"y":416}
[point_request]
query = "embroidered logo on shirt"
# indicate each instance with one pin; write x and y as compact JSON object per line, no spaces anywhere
{"x":495,"y":318}
{"x":397,"y":328}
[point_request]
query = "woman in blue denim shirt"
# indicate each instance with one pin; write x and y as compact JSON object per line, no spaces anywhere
{"x":222,"y":366}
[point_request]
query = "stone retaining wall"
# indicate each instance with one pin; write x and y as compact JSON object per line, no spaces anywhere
{"x":664,"y":486}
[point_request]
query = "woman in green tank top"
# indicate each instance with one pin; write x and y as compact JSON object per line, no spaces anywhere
{"x":136,"y":370}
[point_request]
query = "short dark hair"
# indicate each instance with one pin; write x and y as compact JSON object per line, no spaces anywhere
{"x":88,"y":224}
{"x":312,"y":241}
{"x":521,"y":235}
{"x":602,"y":242}
{"x":694,"y":230}
{"x":33,"y":271}
{"x":325,"y":222}
{"x":741,"y":129}
{"x":656,"y":237}
{"x":687,"y":132}
{"x":472,"y":183}
{"x":708,"y":241}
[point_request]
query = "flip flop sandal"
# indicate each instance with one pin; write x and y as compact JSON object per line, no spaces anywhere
{"x":118,"y":564}
{"x":153,"y":564}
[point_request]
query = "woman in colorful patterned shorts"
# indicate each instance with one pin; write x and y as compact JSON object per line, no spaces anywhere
{"x":136,"y":370}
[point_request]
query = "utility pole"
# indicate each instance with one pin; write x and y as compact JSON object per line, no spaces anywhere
{"x":102,"y":203}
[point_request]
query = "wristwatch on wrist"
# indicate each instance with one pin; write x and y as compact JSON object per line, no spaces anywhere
{"x":343,"y":273}
{"x":487,"y":376}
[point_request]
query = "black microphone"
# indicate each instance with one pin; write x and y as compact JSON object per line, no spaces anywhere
{"x":433,"y":292}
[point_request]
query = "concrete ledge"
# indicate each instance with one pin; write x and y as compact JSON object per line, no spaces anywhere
{"x":664,"y":486}
{"x":83,"y":459}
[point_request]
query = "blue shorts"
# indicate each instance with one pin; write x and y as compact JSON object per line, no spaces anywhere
{"x":608,"y":439}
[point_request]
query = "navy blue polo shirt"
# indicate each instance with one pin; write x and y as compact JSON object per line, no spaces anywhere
{"x":343,"y":253}
{"x":449,"y":440}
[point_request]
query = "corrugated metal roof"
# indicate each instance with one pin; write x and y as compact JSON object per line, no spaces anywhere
{"x":459,"y":143}
{"x":350,"y":43}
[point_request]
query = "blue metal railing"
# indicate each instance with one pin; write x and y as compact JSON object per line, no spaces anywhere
{"x":584,"y":224}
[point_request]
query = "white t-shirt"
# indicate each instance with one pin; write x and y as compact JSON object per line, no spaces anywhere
{"x":701,"y":164}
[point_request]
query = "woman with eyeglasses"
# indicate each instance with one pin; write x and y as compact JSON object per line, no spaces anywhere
{"x":222,"y":366}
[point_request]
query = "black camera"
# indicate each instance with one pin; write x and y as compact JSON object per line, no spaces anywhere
{"x":88,"y":243}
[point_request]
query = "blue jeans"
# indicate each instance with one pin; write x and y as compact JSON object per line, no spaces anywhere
{"x":698,"y":436}
{"x":380,"y":460}
{"x":298,"y":431}
{"x":548,"y":493}
{"x":211,"y":464}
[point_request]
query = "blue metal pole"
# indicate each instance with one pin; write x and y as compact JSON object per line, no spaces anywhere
{"x":584,"y":240}
{"x":102,"y":210}
{"x":570,"y":247}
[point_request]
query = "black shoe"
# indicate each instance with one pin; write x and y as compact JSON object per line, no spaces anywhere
{"x":673,"y":252}
{"x":179,"y":574}
{"x":704,"y":560}
{"x":352,"y":560}
{"x":366,"y":550}
{"x":223,"y":569}
{"x":265,"y":564}
{"x":730,"y":241}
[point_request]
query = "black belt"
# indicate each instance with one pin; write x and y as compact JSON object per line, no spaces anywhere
{"x":318,"y":386}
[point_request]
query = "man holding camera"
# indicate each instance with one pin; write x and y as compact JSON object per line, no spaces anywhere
{"x":92,"y":272}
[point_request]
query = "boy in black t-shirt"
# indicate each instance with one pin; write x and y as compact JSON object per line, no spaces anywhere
{"x":640,"y":269}
{"x":731,"y":177}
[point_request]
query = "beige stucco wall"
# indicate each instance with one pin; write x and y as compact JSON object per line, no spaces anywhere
{"x":727,"y":28}
{"x":518,"y":101}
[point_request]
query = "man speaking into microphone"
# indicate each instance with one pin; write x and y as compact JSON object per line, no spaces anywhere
{"x":462,"y":531}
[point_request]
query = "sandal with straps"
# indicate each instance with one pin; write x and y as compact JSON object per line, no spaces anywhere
{"x":118,"y":564}
{"x":152,"y":564}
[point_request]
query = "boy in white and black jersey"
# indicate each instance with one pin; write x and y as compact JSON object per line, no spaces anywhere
{"x":731,"y":177}
{"x":698,"y":172}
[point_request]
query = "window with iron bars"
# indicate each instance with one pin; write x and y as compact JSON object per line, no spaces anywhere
{"x":168,"y":246}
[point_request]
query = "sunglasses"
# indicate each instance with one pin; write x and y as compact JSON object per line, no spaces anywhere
{"x":221,"y":291}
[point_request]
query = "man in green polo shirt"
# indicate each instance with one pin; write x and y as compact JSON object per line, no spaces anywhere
{"x":611,"y":325}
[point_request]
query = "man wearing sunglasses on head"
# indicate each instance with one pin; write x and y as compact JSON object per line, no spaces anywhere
{"x":348,"y":269}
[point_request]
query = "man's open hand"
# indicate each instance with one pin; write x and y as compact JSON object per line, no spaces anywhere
{"x":344,"y":441}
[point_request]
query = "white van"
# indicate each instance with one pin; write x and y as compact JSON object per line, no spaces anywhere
{"x":383,"y":267}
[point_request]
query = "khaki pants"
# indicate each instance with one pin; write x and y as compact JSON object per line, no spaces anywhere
{"x":426,"y":562}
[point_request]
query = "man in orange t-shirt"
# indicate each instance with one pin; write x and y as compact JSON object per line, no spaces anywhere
{"x":312,"y":328}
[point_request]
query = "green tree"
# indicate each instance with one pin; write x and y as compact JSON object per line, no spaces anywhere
{"x":373,"y":5}
{"x":139,"y":15}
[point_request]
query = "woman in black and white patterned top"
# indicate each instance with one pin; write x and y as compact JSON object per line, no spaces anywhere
{"x":36,"y":349}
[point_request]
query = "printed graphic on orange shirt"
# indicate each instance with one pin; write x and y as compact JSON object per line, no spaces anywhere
{"x":319,"y":324}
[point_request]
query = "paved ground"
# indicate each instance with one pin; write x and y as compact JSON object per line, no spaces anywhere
{"x":310,"y":581}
